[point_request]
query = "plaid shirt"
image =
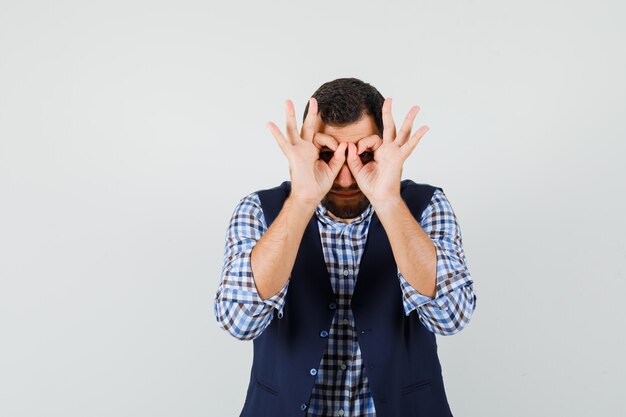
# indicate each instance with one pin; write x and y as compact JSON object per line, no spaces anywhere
{"x":341,"y":386}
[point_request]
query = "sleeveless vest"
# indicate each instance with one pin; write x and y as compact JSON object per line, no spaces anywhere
{"x":399,"y":353}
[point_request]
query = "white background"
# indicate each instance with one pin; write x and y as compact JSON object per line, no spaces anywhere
{"x":129,"y":130}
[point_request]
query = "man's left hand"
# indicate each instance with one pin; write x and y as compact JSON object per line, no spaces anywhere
{"x":380,"y":178}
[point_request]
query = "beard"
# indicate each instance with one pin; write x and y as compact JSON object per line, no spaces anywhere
{"x":345,"y":208}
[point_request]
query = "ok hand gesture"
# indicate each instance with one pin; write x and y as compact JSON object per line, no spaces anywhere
{"x":380,"y":179}
{"x":311,"y":177}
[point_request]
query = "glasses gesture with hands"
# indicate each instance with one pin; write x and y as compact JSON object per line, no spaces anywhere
{"x":378,"y":176}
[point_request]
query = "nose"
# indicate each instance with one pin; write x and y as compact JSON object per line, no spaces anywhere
{"x":345,"y":178}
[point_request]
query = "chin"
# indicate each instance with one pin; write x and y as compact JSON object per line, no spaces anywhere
{"x":345,"y":208}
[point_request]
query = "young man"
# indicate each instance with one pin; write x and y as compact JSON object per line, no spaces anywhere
{"x":343,"y":275}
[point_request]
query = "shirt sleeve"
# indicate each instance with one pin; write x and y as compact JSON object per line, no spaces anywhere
{"x":237,"y":305}
{"x":454,"y":302}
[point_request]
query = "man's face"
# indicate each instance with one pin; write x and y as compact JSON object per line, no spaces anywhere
{"x":345,"y":200}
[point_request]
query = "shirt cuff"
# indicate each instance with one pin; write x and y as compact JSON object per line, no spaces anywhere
{"x":276,"y":301}
{"x":447,"y":281}
{"x":239,"y":287}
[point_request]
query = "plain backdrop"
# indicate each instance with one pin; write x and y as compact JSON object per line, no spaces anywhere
{"x":129,"y":130}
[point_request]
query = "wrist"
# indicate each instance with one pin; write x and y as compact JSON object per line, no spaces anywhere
{"x":391,"y":203}
{"x":303,"y":203}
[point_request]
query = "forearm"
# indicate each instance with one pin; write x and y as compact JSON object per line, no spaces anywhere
{"x":413,"y":250}
{"x":274,"y":255}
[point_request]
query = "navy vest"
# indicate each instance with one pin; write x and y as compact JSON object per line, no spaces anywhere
{"x":399,"y":353}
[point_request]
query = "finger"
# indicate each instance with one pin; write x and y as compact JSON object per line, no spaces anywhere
{"x":292,"y":127}
{"x":321,"y":139}
{"x":354,"y":162}
{"x":338,"y":158}
{"x":279,"y":137}
{"x":389,"y":128}
{"x":372,"y":142}
{"x":408,"y":147}
{"x":312,"y":122}
{"x":405,"y":130}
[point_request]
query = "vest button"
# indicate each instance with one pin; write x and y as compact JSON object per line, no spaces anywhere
{"x":332,"y":306}
{"x":303,"y":407}
{"x":324,"y":333}
{"x":313,"y":371}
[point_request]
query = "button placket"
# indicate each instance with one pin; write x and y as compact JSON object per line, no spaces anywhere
{"x":343,"y":267}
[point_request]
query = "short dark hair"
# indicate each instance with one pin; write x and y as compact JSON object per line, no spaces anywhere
{"x":345,"y":100}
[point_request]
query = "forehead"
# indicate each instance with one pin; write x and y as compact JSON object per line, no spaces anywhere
{"x":365,"y":126}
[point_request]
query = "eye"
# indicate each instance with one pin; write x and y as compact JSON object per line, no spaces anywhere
{"x":366,"y":156}
{"x":326,"y":155}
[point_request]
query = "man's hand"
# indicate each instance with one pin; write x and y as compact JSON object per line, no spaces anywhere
{"x":311,"y":177}
{"x":380,"y":179}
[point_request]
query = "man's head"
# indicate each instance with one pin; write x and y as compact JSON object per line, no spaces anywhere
{"x":350,"y":110}
{"x":344,"y":100}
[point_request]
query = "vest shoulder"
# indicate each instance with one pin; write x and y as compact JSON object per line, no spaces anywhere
{"x":272,"y":200}
{"x":281,"y":186}
{"x":281,"y":190}
{"x":417,"y":196}
{"x":413,"y":187}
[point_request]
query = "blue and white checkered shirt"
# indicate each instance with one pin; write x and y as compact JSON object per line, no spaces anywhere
{"x":341,"y":386}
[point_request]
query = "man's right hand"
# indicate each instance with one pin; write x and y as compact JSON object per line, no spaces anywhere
{"x":311,"y":177}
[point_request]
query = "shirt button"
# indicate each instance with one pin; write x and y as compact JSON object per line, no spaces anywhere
{"x":346,"y":272}
{"x":303,"y":407}
{"x":341,"y":412}
{"x":345,"y":321}
{"x":313,"y":371}
{"x":343,"y":366}
{"x":324,"y":333}
{"x":332,"y":306}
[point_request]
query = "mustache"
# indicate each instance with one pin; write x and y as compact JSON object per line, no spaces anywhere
{"x":346,"y":190}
